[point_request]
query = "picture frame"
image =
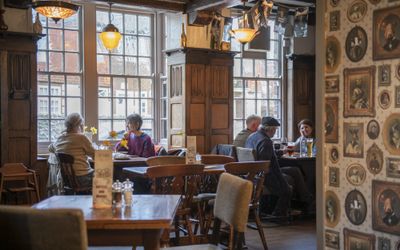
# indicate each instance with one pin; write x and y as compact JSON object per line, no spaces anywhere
{"x":353,"y":138}
{"x":331,"y":120}
{"x":397,"y":97}
{"x":391,"y":134}
{"x":18,"y":4}
{"x":334,"y":155}
{"x":333,"y":54}
{"x":373,"y":129}
{"x":334,"y":20}
{"x":332,"y":239}
{"x":384,"y":75}
{"x":332,"y":84}
{"x":383,"y":243}
{"x":384,"y":99}
{"x":359,"y":92}
{"x":334,"y":3}
{"x":356,"y":174}
{"x":386,"y":207}
{"x":356,"y":44}
{"x":357,"y":10}
{"x":385,"y":33}
{"x":357,"y":240}
{"x":332,"y":209}
{"x":393,"y":167}
{"x":334,"y":177}
{"x":374,"y":159}
{"x":355,"y":207}
{"x":397,"y":71}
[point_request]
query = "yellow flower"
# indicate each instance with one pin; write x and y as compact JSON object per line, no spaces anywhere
{"x":124,"y":143}
{"x":107,"y":143}
{"x":93,"y":130}
{"x":113,"y":134}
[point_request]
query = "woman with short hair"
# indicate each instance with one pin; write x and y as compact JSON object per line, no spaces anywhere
{"x":306,"y":128}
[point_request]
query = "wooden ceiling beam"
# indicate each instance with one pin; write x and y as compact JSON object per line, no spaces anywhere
{"x":157,"y":4}
{"x":211,"y":4}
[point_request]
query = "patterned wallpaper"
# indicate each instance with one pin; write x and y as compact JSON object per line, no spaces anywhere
{"x":362,"y":124}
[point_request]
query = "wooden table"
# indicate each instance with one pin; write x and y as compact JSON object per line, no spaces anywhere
{"x":133,"y":161}
{"x":142,"y":171}
{"x":138,"y":225}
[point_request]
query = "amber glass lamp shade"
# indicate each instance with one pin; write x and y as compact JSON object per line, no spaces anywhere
{"x":110,"y":37}
{"x":55,"y":10}
{"x":244,"y":35}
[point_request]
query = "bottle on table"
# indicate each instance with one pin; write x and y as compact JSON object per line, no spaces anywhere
{"x":183,"y":37}
{"x":128,"y":190}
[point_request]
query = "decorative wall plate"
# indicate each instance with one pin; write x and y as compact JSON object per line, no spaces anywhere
{"x":373,"y":129}
{"x":332,"y":209}
{"x":356,"y":174}
{"x":384,"y":99}
{"x":357,"y":11}
{"x":391,"y":134}
{"x":356,"y":207}
{"x":356,"y":44}
{"x":374,"y":159}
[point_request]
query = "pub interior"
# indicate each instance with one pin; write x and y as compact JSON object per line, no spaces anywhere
{"x":191,"y":124}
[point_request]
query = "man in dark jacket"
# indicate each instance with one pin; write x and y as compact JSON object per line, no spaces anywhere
{"x":279,"y":181}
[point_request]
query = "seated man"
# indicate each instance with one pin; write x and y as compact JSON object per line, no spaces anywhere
{"x":252,"y":123}
{"x":279,"y":181}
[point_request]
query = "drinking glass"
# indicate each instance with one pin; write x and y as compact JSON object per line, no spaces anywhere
{"x":284,"y":141}
{"x":290,"y":148}
{"x":310,"y":143}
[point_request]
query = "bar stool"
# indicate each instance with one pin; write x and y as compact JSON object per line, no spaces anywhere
{"x":21,"y":179}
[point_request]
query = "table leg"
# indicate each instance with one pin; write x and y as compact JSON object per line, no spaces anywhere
{"x":151,"y":239}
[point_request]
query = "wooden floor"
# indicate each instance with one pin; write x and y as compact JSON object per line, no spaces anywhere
{"x":299,"y":235}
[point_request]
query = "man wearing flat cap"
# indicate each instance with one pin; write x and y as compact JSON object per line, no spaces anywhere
{"x":281,"y":182}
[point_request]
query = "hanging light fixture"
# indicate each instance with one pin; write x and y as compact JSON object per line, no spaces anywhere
{"x":244,"y":34}
{"x":110,"y":35}
{"x":55,"y":10}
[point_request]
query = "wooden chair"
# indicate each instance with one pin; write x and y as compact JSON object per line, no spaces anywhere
{"x":28,"y":228}
{"x":71,"y":184}
{"x":225,"y":149}
{"x":165,"y":160}
{"x":245,"y":154}
{"x":209,"y":159}
{"x":254,"y":172}
{"x":177,"y":179}
{"x":16,"y":178}
{"x":231,"y":207}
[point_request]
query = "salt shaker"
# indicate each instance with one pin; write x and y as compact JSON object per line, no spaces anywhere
{"x":117,"y":193}
{"x":128,"y":189}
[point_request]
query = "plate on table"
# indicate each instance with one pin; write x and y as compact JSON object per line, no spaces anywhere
{"x":121,"y":156}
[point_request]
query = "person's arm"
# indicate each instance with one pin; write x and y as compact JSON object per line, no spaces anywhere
{"x":87,"y":146}
{"x":51,"y":148}
{"x":297,"y":145}
{"x":148,"y":148}
{"x":265,"y":150}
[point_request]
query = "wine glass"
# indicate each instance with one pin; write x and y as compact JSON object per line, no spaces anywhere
{"x":284,"y":141}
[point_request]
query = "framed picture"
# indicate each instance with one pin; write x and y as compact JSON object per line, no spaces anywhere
{"x":332,"y":209}
{"x":353,"y":138}
{"x":334,"y":20}
{"x":334,"y":3}
{"x":331,"y":119}
{"x":20,"y":4}
{"x":391,"y":134}
{"x":374,"y":1}
{"x":373,"y":129}
{"x":357,"y":240}
{"x":334,"y":155}
{"x":332,"y":84}
{"x":359,"y":94}
{"x":357,"y":11}
{"x":356,"y":207}
{"x":356,"y":174}
{"x":374,"y":159}
{"x":393,"y":167}
{"x":397,"y":71}
{"x":333,"y":54}
{"x":383,"y":243}
{"x":384,"y":99}
{"x":384,"y":75}
{"x":386,"y":207}
{"x":386,"y":33}
{"x":334,"y":177}
{"x":332,"y":239}
{"x":356,"y":44}
{"x":397,"y":97}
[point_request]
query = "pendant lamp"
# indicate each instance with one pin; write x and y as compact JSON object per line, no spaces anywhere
{"x":244,"y":34}
{"x":110,"y":35}
{"x":55,"y":10}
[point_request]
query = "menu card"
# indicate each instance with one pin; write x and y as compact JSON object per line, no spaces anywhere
{"x":191,"y":149}
{"x":103,"y":177}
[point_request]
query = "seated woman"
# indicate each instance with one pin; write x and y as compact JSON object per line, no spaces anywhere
{"x":72,"y":141}
{"x":306,"y":128}
{"x":139,"y":143}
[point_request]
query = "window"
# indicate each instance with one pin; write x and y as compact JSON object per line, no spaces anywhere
{"x":59,"y":75}
{"x":257,"y":84}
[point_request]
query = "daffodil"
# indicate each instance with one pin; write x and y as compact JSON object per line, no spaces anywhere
{"x":113,"y":134}
{"x":107,"y":143}
{"x":93,"y":130}
{"x":124,"y":143}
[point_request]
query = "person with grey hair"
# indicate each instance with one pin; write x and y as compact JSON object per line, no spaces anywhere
{"x":139,"y":143}
{"x":72,"y":141}
{"x":252,"y":123}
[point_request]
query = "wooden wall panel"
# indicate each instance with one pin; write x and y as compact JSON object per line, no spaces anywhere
{"x":219,"y":82}
{"x":176,"y":116}
{"x":219,"y":116}
{"x":19,"y":149}
{"x":196,"y":82}
{"x":219,"y":139}
{"x":197,"y":116}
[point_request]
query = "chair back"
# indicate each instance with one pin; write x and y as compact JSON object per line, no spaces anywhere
{"x":165,"y":160}
{"x":216,"y":159}
{"x":232,"y":201}
{"x":225,"y":149}
{"x":34,"y":229}
{"x":254,"y":172}
{"x":245,"y":154}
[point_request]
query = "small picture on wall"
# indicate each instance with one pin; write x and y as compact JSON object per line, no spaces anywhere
{"x":332,"y":84}
{"x":357,"y":240}
{"x":359,"y":94}
{"x":334,"y":20}
{"x":334,"y":155}
{"x":374,"y":159}
{"x":332,"y":239}
{"x":386,"y":33}
{"x":384,"y":75}
{"x":353,"y":140}
{"x":373,"y":129}
{"x":357,"y":11}
{"x":356,"y":44}
{"x":334,"y":177}
{"x":397,"y":97}
{"x":386,"y":207}
{"x":332,"y":209}
{"x":356,"y":207}
{"x":334,"y":3}
{"x":397,"y":71}
{"x":391,"y":134}
{"x":331,"y":119}
{"x":383,"y":243}
{"x":384,"y":99}
{"x":333,"y":54}
{"x":393,"y":167}
{"x":356,"y":174}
